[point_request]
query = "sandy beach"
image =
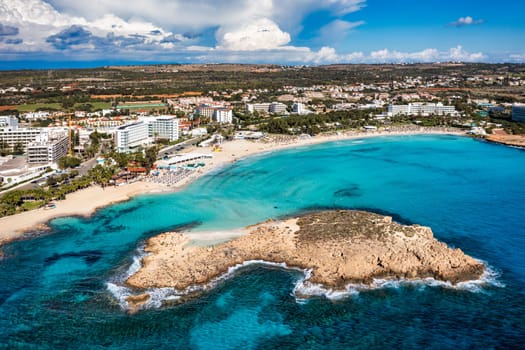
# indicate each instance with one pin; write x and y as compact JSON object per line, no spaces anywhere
{"x":80,"y":203}
{"x":85,"y":202}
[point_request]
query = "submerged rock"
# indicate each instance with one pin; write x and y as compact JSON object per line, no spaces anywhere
{"x":339,"y":247}
{"x":135,"y":302}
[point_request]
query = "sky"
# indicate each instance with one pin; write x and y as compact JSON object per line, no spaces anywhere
{"x":71,"y":33}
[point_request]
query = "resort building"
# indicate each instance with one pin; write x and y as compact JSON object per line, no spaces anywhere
{"x":258,"y":107}
{"x":8,"y":121}
{"x":10,"y":136}
{"x":216,"y":113}
{"x":48,"y":148}
{"x":163,"y":127}
{"x":518,"y":112}
{"x":206,"y":111}
{"x":130,"y":136}
{"x":273,"y":107}
{"x":423,"y":109}
{"x":277,"y":107}
{"x":223,"y":115}
{"x":16,"y":170}
{"x":299,"y":108}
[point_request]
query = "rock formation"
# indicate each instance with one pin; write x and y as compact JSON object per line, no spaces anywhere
{"x":340,"y":247}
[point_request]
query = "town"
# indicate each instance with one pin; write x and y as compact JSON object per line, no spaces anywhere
{"x":63,"y":130}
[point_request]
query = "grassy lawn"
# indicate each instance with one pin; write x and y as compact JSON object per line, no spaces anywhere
{"x":31,"y":107}
{"x":34,"y":106}
{"x":100,"y":105}
{"x":31,"y":205}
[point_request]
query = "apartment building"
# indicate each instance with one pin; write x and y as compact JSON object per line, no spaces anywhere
{"x":223,"y":115}
{"x":423,"y":109}
{"x":48,"y":148}
{"x":216,"y":113}
{"x":130,"y":136}
{"x":8,"y":121}
{"x":163,"y":127}
{"x":299,"y":108}
{"x":273,"y":107}
{"x":10,"y":136}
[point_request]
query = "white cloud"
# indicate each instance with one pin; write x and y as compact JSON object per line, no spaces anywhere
{"x":38,"y":21}
{"x":458,"y":54}
{"x":329,"y":55}
{"x":428,"y":55}
{"x":465,"y":21}
{"x":385,"y":55}
{"x":242,"y":25}
{"x":260,"y":34}
{"x":245,"y":31}
{"x":517,"y":57}
{"x":174,"y":14}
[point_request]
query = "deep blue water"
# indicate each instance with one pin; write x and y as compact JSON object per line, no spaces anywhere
{"x":53,"y":289}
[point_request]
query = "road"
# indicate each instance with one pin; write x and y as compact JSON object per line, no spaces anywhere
{"x":177,"y":147}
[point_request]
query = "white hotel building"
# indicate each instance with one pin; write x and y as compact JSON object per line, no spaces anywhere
{"x":273,"y":107}
{"x":216,"y":113}
{"x":163,"y":127}
{"x":423,"y":109}
{"x":223,"y":115}
{"x":11,"y":134}
{"x":142,"y":132}
{"x":130,"y":136}
{"x":48,"y":148}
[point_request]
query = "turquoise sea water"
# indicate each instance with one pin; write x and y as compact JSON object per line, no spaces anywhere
{"x":54,"y":288}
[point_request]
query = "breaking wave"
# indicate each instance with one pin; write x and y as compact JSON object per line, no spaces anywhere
{"x":302,"y":290}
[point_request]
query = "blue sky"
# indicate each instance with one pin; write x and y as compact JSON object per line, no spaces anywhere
{"x":56,"y":33}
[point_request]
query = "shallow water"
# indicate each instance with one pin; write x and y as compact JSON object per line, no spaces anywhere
{"x":54,"y":287}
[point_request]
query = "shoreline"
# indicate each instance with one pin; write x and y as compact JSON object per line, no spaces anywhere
{"x":85,"y":202}
{"x":517,"y":141}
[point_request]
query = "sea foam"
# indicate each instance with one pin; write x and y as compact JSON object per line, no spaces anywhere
{"x":302,"y":290}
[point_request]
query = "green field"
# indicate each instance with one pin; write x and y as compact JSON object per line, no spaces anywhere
{"x":34,"y":106}
{"x":31,"y":107}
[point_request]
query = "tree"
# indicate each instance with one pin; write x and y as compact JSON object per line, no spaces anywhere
{"x":69,"y":162}
{"x":101,"y":175}
{"x":4,"y":148}
{"x":18,"y":149}
{"x":51,"y":181}
{"x":151,"y":156}
{"x":122,"y":159}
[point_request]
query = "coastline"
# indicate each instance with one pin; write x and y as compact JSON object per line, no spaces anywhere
{"x":80,"y":203}
{"x":507,"y":140}
{"x":85,"y":202}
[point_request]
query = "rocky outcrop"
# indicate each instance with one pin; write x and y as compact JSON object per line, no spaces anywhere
{"x":340,"y":247}
{"x":508,"y":140}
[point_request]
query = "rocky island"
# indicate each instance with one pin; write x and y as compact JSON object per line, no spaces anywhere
{"x":339,"y":247}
